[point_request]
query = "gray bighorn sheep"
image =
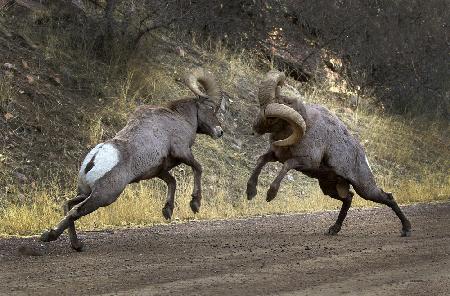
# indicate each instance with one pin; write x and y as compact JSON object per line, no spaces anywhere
{"x":155,"y":140}
{"x":309,"y":139}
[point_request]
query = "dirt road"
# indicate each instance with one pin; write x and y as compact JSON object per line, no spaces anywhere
{"x":274,"y":255}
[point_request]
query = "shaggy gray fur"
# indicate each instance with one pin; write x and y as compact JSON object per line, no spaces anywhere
{"x":155,"y":140}
{"x":327,"y":152}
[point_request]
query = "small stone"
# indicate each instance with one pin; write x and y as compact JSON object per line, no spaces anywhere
{"x":8,"y":116}
{"x":9,"y":66}
{"x":180,"y":51}
{"x":30,"y":79}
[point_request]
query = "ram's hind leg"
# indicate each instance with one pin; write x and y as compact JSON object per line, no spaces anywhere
{"x":339,"y":190}
{"x":377,"y":195}
{"x":171,"y":187}
{"x":95,"y":200}
{"x":68,"y":205}
{"x":85,"y":207}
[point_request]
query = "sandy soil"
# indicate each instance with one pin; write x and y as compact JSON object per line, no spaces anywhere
{"x":273,"y":255}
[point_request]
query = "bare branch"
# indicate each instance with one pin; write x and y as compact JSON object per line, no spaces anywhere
{"x":159,"y":24}
{"x":153,"y":27}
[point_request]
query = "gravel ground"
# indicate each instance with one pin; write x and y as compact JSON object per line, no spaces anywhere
{"x":272,"y":255}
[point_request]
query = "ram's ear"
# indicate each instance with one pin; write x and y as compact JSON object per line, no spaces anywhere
{"x":222,"y":107}
{"x":278,"y":91}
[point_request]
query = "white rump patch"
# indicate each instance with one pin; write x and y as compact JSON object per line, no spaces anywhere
{"x":106,"y":157}
{"x":367,"y":161}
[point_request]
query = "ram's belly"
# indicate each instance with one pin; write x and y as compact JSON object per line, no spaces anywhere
{"x":99,"y":161}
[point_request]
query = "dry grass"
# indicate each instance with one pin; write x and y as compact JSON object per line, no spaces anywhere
{"x":141,"y":204}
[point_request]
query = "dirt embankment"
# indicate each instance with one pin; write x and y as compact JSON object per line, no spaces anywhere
{"x":275,"y":255}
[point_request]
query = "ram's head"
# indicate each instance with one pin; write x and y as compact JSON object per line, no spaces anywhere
{"x":274,"y":109}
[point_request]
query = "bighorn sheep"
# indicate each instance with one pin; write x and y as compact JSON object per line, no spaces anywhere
{"x":155,"y":140}
{"x":309,"y":139}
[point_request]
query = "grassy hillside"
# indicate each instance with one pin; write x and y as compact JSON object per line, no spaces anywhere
{"x":57,"y":100}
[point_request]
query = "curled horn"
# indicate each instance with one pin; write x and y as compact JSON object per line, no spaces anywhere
{"x":204,"y":78}
{"x":270,"y":87}
{"x":294,"y":118}
{"x":269,"y":91}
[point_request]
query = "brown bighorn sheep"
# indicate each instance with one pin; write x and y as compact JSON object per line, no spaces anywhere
{"x":155,"y":140}
{"x":309,"y":139}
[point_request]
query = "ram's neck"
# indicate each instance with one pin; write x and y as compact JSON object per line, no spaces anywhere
{"x":187,"y":109}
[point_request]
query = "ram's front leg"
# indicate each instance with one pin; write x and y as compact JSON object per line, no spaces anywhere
{"x":287,"y":166}
{"x":189,"y":160}
{"x":253,"y":180}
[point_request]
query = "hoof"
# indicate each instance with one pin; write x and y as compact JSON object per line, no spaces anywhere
{"x":195,"y":205}
{"x":271,"y":193}
{"x":334,"y":229}
{"x":406,"y":233}
{"x":48,"y":236}
{"x":167,"y":212}
{"x":251,"y":192}
{"x":77,"y":246}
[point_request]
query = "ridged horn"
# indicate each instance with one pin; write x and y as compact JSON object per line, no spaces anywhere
{"x":270,"y":87}
{"x":294,"y":119}
{"x":204,"y":78}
